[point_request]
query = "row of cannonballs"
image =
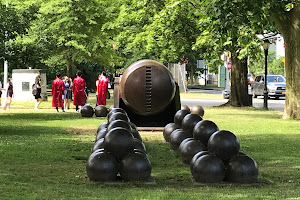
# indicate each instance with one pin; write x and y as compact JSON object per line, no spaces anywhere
{"x":89,"y":111}
{"x":213,"y":154}
{"x":118,"y":151}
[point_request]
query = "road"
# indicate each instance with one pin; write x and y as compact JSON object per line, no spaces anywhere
{"x":257,"y":102}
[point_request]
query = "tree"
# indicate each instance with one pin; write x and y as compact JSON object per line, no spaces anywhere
{"x":13,"y":22}
{"x":73,"y":31}
{"x":286,"y":16}
{"x":154,"y":29}
{"x":230,"y":26}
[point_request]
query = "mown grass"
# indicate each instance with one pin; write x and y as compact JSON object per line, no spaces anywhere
{"x":43,"y":156}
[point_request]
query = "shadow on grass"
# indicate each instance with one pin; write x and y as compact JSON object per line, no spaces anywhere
{"x":38,"y":116}
{"x":44,"y":147}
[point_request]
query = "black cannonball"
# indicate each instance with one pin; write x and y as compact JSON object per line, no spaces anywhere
{"x":138,"y":144}
{"x":119,"y":141}
{"x":208,"y":169}
{"x":198,"y":110}
{"x":224,"y":144}
{"x":177,"y":137}
{"x":180,"y":114}
{"x":115,"y":110}
{"x":118,"y":115}
{"x":184,"y":141}
{"x":135,"y":166}
{"x":110,"y":108}
{"x":185,"y":107}
{"x":87,"y":111}
{"x":133,"y":126}
{"x":98,"y":145}
{"x":119,"y":123}
{"x":196,"y":156}
{"x":140,"y":151}
{"x":189,"y":122}
{"x":102,"y":166}
{"x":103,"y":125}
{"x":101,"y":111}
{"x":168,"y":129}
{"x":101,"y":134}
{"x":203,"y":130}
{"x":189,"y":149}
{"x":241,"y":169}
{"x":135,"y":133}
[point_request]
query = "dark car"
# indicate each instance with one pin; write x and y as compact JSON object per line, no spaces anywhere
{"x":276,"y":86}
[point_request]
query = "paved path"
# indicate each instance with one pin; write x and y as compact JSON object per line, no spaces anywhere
{"x":257,"y":102}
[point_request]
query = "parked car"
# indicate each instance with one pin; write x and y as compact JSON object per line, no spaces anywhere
{"x":276,"y":86}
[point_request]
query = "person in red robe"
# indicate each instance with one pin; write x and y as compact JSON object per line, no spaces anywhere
{"x":79,"y":85}
{"x":102,"y":88}
{"x":58,"y":90}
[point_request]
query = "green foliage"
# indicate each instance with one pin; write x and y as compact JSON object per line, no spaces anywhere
{"x":69,"y":32}
{"x":275,"y":65}
{"x":13,"y":22}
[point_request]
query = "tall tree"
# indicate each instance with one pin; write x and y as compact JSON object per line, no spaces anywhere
{"x":229,"y":26}
{"x":160,"y":30}
{"x":13,"y":22}
{"x":286,"y":16}
{"x":73,"y":30}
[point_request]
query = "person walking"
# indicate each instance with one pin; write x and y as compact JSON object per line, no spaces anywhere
{"x":1,"y":91}
{"x":68,"y":93}
{"x":58,"y":90}
{"x":79,"y":85}
{"x":39,"y":87}
{"x":102,"y":88}
{"x":9,"y":94}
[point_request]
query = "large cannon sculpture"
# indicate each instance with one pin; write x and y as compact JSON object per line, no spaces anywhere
{"x":148,"y":93}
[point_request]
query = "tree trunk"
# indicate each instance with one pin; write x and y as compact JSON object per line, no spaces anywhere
{"x":291,"y":34}
{"x":239,"y":84}
{"x":69,"y":66}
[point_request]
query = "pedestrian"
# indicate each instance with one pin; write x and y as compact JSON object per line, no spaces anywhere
{"x":68,"y":92}
{"x":1,"y":91}
{"x":9,"y":94}
{"x":102,"y":88}
{"x":79,"y":85}
{"x":86,"y":93}
{"x":58,"y":90}
{"x":39,"y":87}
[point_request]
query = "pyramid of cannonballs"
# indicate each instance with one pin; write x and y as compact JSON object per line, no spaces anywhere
{"x":213,"y":155}
{"x":118,"y":151}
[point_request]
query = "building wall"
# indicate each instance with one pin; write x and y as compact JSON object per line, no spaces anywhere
{"x":23,"y":79}
{"x":178,"y":72}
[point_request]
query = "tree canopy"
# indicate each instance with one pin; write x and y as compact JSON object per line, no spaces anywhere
{"x":71,"y":34}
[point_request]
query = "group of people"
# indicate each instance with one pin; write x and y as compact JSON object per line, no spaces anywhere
{"x":63,"y":89}
{"x":9,"y":93}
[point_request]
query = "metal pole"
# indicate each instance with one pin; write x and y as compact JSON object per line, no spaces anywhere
{"x":5,"y":61}
{"x":265,"y":86}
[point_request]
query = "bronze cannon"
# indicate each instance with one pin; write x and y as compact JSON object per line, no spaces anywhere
{"x":148,"y":93}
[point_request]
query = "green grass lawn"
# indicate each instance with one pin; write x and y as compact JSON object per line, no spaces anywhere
{"x":43,"y":156}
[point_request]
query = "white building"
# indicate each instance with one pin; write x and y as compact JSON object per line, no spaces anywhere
{"x":23,"y":79}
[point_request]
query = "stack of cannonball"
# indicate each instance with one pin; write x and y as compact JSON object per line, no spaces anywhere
{"x":213,"y":154}
{"x":89,"y":111}
{"x":118,"y":150}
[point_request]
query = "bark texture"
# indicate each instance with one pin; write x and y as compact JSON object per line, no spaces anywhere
{"x":289,"y":25}
{"x":239,"y":84}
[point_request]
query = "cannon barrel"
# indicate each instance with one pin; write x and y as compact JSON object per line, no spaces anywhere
{"x":147,"y":87}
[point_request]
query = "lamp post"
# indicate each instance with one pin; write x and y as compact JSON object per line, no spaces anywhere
{"x":266,"y":48}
